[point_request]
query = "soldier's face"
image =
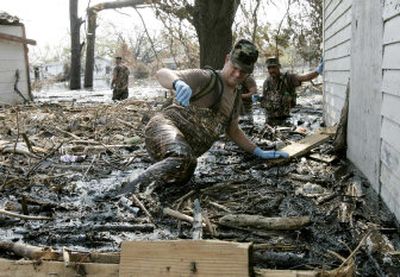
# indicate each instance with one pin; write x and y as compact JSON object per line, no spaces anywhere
{"x":274,"y":71}
{"x":234,"y":75}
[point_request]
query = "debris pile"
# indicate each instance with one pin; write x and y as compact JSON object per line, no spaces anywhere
{"x":313,"y":212}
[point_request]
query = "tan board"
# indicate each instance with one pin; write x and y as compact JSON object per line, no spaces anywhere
{"x":184,"y":258}
{"x":9,"y":268}
{"x":303,"y":146}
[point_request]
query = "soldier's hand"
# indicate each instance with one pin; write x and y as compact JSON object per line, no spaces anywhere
{"x":320,"y":67}
{"x":256,"y":98}
{"x":267,"y":155}
{"x":183,"y":92}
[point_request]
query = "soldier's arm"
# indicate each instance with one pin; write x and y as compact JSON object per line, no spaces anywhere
{"x":238,"y":136}
{"x":307,"y":77}
{"x":166,"y":77}
{"x":252,"y":90}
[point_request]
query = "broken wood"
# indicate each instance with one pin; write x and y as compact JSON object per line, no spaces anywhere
{"x":142,"y":207}
{"x":197,"y":221}
{"x":185,"y":258}
{"x":305,"y":145}
{"x":267,"y":223}
{"x":25,"y":217}
{"x":29,"y":251}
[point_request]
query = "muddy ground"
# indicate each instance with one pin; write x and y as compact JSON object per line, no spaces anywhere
{"x":59,"y":157}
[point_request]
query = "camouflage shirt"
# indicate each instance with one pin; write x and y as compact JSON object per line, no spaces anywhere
{"x":244,"y":88}
{"x":279,"y":96}
{"x":120,"y":77}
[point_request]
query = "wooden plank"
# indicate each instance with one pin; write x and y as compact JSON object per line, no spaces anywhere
{"x":341,"y":77}
{"x":391,"y":32}
{"x":390,"y":190}
{"x":342,"y":63}
{"x":340,"y":50}
{"x":391,"y":56}
{"x":391,"y":9}
{"x":340,"y":37}
{"x":390,"y":107}
{"x":390,"y":157}
{"x":309,"y":142}
{"x":338,"y":12}
{"x":342,"y":22}
{"x":286,"y":273}
{"x":4,"y":36}
{"x":390,"y":132}
{"x":184,"y":258}
{"x":49,"y":268}
{"x":391,"y":82}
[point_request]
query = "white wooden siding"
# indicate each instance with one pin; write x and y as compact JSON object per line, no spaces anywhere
{"x":390,"y":132}
{"x":12,"y":58}
{"x":337,"y":50}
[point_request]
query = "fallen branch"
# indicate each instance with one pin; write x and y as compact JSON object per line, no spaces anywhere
{"x":142,"y":207}
{"x":26,"y":217}
{"x":260,"y":222}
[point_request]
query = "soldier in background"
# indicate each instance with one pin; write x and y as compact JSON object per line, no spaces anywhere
{"x":247,"y":89}
{"x":279,"y":89}
{"x":120,"y":80}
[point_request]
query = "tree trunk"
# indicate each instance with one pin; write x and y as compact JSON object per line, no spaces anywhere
{"x":75,"y":24}
{"x":90,"y":40}
{"x":91,"y":32}
{"x":213,"y":23}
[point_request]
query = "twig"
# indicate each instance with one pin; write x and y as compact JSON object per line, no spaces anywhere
{"x":142,"y":207}
{"x":355,"y":250}
{"x":27,"y":217}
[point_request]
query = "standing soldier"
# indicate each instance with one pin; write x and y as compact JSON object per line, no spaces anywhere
{"x":120,"y":80}
{"x":279,"y":89}
{"x":247,"y":89}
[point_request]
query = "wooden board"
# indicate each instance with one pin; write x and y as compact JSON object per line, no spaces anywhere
{"x":303,"y":146}
{"x":10,"y":268}
{"x":184,"y":258}
{"x":286,"y":273}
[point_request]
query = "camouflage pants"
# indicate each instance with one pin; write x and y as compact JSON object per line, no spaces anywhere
{"x":120,"y":94}
{"x":175,"y":138}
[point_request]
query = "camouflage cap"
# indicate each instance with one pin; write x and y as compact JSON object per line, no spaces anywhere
{"x":244,"y":55}
{"x":272,"y":61}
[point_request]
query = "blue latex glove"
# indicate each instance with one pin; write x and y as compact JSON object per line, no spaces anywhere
{"x":320,"y":67}
{"x":255,"y":98}
{"x":270,"y":154}
{"x":183,"y":92}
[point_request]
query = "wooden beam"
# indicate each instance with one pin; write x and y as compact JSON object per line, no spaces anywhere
{"x":305,"y":145}
{"x":47,"y":268}
{"x":185,"y":258}
{"x":17,"y":39}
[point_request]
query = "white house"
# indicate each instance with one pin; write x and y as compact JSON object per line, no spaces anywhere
{"x":14,"y":64}
{"x":362,"y":47}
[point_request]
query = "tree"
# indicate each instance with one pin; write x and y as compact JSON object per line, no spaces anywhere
{"x":308,"y":37}
{"x":75,"y":24}
{"x":91,"y":32}
{"x":212,"y":21}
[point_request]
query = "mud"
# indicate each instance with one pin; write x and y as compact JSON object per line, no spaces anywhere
{"x":85,"y":149}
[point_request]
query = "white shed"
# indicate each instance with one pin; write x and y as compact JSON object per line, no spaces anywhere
{"x":14,"y":64}
{"x":362,"y":45}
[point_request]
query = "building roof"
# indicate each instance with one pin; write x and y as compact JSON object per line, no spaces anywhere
{"x":7,"y":19}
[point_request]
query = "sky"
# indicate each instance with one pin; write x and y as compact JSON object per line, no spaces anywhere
{"x":47,"y":21}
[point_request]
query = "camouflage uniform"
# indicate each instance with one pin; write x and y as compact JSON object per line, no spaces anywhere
{"x":279,"y":96}
{"x":243,"y":88}
{"x":178,"y":135}
{"x":120,"y":82}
